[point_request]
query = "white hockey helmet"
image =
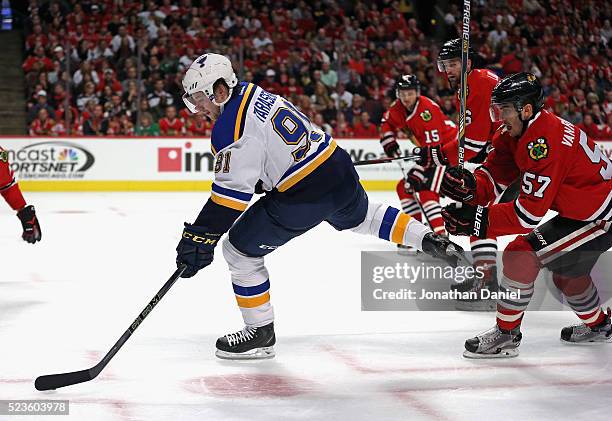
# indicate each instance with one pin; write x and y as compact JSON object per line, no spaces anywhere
{"x":202,"y":75}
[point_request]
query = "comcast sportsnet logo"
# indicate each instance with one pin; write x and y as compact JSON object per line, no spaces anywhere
{"x":184,"y":159}
{"x":52,"y":159}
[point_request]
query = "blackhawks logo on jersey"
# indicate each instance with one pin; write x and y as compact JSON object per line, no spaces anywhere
{"x":538,"y":149}
{"x":3,"y":156}
{"x":426,"y":115}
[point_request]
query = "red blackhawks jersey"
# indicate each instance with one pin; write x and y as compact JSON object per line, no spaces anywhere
{"x":560,"y":168}
{"x":427,"y":122}
{"x":478,"y":125}
{"x":9,"y":189}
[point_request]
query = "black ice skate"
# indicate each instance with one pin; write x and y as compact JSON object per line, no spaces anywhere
{"x":473,"y":288}
{"x":250,"y":343}
{"x":581,"y":334}
{"x":494,"y":343}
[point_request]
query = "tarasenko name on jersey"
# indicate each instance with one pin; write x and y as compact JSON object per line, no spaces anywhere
{"x":263,"y":105}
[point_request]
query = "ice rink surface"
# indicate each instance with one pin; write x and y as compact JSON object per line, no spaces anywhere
{"x":65,"y":301}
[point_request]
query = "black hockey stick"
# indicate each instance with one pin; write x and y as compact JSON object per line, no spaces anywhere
{"x":465,"y":46}
{"x":54,"y":381}
{"x":416,"y":198}
{"x":385,"y":160}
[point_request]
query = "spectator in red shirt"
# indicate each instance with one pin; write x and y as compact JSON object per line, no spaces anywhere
{"x":36,"y":37}
{"x":109,"y":80}
{"x":607,"y":130}
{"x":512,"y":62}
{"x":364,"y":128}
{"x":590,"y":127}
{"x":38,"y":62}
{"x":292,"y":89}
{"x":171,"y":125}
{"x":75,"y":124}
{"x":269,"y":83}
{"x":356,"y":63}
{"x":556,"y":102}
{"x":42,"y":124}
{"x":199,"y":126}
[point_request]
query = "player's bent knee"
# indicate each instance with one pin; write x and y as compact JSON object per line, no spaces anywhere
{"x":401,"y":190}
{"x":520,"y":260}
{"x":374,"y":213}
{"x":241,"y":265}
{"x":573,"y":285}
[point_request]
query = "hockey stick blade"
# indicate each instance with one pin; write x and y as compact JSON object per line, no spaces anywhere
{"x":55,"y":381}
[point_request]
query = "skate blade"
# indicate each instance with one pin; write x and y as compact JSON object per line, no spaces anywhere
{"x":506,"y":353}
{"x":481,"y":305}
{"x":254,"y":354}
{"x":588,"y":343}
{"x":408,"y":252}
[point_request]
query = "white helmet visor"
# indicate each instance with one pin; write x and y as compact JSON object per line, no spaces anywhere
{"x":197,"y":101}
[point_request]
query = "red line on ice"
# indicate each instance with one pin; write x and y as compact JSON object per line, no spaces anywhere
{"x":419,"y":405}
{"x":352,"y":362}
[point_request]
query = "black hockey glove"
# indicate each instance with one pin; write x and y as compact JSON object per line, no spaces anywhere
{"x":390,"y":146}
{"x":430,"y":156}
{"x":441,"y":247}
{"x":415,"y":179}
{"x":458,"y":184}
{"x":196,"y":249}
{"x":464,"y":219}
{"x":30,"y":225}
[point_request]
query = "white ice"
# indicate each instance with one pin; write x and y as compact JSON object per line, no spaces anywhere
{"x":65,"y":301}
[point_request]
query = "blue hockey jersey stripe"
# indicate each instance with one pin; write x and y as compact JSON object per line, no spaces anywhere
{"x":250,"y":291}
{"x":246,"y":197}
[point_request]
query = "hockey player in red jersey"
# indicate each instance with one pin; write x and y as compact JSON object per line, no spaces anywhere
{"x":560,"y":169}
{"x":9,"y":189}
{"x":479,"y":130}
{"x":478,"y":125}
{"x":424,"y":119}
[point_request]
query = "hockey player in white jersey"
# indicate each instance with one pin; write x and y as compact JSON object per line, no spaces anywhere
{"x":263,"y":143}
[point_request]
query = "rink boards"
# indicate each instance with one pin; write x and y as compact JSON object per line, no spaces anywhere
{"x":153,"y":164}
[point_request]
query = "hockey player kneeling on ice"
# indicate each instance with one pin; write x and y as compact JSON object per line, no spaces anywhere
{"x":560,"y":168}
{"x":263,"y":143}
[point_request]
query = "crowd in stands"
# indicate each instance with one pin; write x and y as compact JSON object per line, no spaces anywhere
{"x":114,"y":67}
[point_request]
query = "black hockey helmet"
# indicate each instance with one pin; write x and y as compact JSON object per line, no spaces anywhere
{"x":518,"y":89}
{"x":452,"y":50}
{"x":407,"y":82}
